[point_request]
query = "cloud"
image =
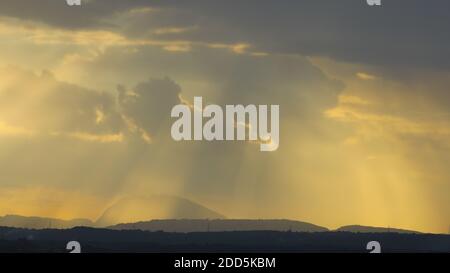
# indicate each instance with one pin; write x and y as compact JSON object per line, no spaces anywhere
{"x":68,"y":137}
{"x":94,"y":14}
{"x":374,"y":125}
{"x":147,"y":105}
{"x":42,"y":104}
{"x":347,"y":31}
{"x":365,"y":76}
{"x":401,"y":34}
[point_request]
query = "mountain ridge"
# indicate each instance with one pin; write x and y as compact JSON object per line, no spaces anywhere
{"x":220,"y":225}
{"x":371,"y":229}
{"x":134,"y":209}
{"x":36,"y":222}
{"x":192,"y":225}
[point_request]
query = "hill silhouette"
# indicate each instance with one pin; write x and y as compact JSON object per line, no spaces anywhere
{"x":207,"y":221}
{"x":41,"y":222}
{"x":220,"y":225}
{"x":134,"y":209}
{"x":368,"y":229}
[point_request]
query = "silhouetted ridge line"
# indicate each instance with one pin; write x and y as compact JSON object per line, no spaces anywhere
{"x":220,"y":225}
{"x":34,"y":222}
{"x":134,"y":209}
{"x":368,"y":229}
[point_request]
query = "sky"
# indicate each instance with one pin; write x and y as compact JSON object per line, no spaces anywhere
{"x":86,"y":94}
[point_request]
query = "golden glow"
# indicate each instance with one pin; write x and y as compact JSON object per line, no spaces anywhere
{"x":375,"y":156}
{"x":50,"y":202}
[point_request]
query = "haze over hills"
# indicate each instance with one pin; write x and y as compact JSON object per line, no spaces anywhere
{"x":175,"y":214}
{"x":192,"y":225}
{"x":134,"y":209}
{"x":220,"y":225}
{"x":42,"y":222}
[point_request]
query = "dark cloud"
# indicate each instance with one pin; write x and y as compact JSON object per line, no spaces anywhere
{"x":92,"y":14}
{"x":400,"y":33}
{"x":149,"y":103}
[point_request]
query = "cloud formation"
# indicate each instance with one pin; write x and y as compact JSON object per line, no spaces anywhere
{"x":147,"y":105}
{"x":42,"y":104}
{"x":349,"y":31}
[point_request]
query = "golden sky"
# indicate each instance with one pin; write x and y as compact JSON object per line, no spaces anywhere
{"x":85,"y":99}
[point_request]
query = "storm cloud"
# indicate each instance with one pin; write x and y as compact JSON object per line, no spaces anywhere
{"x":401,"y":33}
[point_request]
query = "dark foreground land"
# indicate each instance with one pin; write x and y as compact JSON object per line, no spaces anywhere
{"x":107,"y":240}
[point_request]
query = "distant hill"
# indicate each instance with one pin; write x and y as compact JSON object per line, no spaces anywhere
{"x":368,"y":229}
{"x":41,"y":222}
{"x":220,"y":225}
{"x":134,"y":209}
